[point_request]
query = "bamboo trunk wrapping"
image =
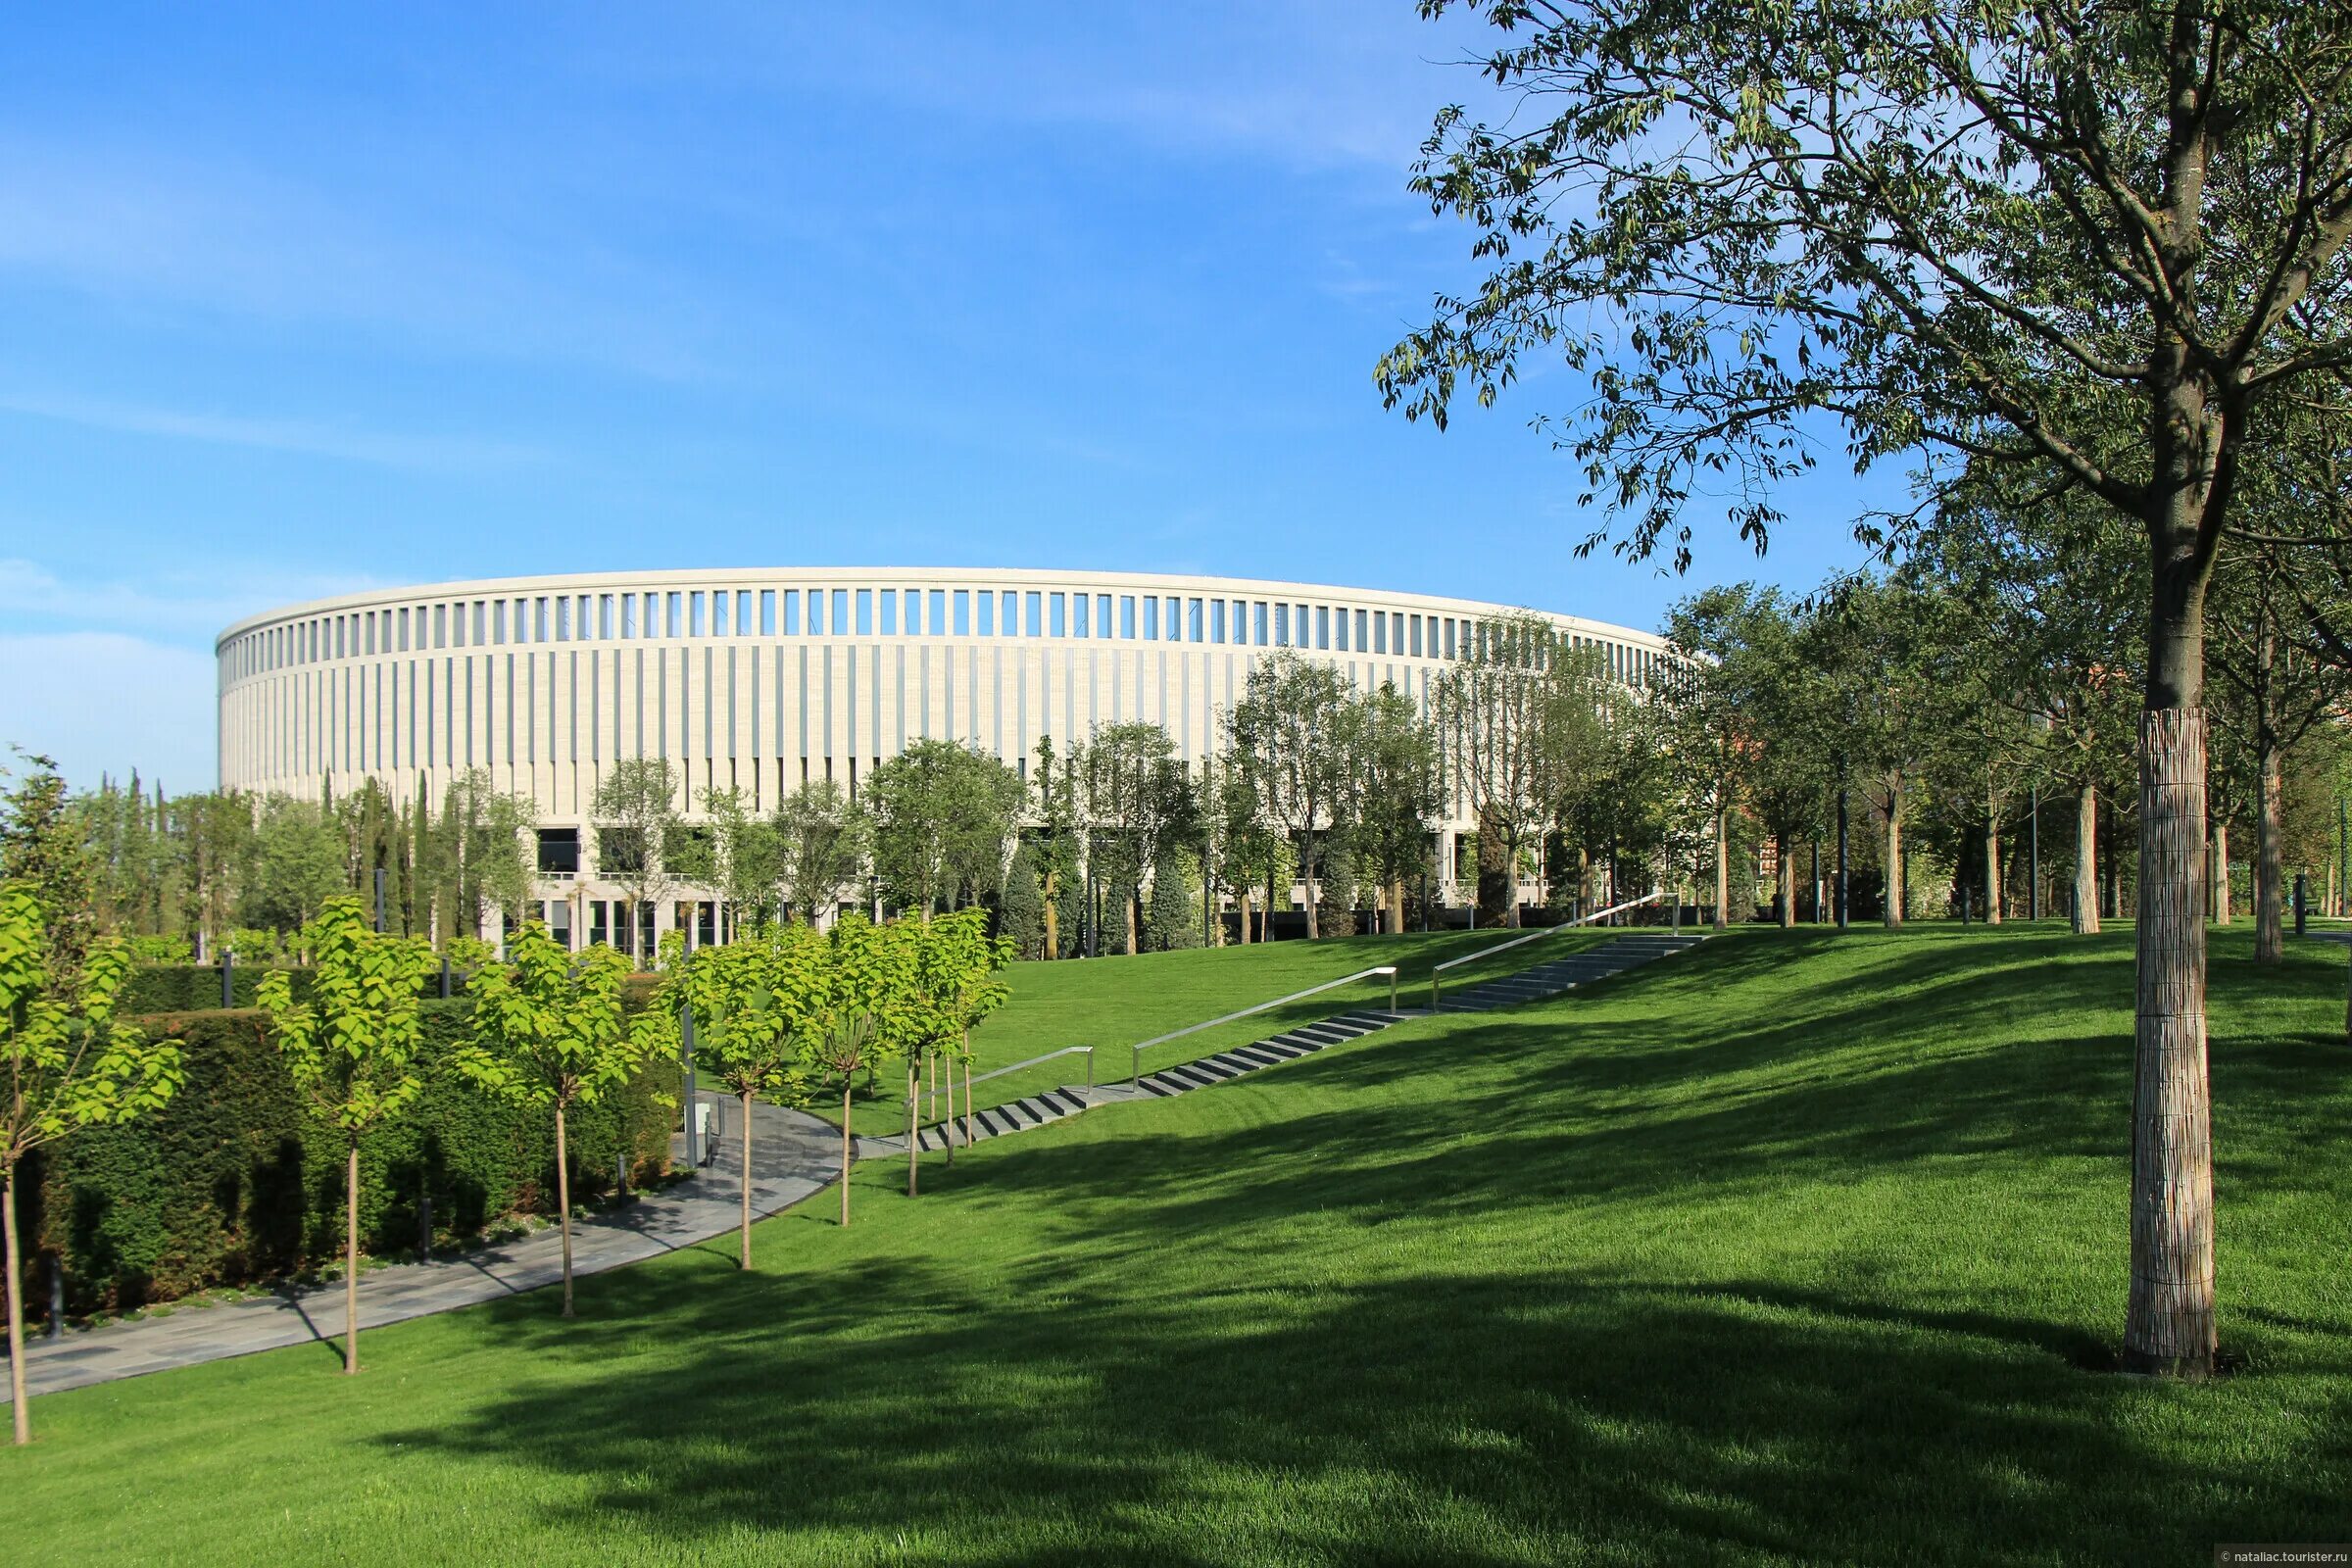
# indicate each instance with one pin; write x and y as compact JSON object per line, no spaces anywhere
{"x":2170,"y":1327}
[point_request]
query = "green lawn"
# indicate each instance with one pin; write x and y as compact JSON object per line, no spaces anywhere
{"x":1111,"y":1003}
{"x":1795,"y":1249}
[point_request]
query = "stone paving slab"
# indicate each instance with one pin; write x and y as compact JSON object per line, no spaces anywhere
{"x":793,"y":1154}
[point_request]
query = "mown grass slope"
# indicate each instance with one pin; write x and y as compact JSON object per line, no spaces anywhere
{"x":1798,"y":1249}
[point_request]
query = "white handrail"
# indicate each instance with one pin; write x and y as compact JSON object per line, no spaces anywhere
{"x":1533,"y":936}
{"x":1136,"y":1059}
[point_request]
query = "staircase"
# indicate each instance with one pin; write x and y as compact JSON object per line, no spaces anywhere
{"x":1566,"y":973}
{"x":1527,"y":985}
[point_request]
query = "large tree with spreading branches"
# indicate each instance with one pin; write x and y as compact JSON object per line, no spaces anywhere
{"x":2087,"y":239}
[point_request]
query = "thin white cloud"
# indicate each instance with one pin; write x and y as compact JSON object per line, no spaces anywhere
{"x":279,"y":435}
{"x":183,"y":607}
{"x":107,"y":703}
{"x":214,"y":235}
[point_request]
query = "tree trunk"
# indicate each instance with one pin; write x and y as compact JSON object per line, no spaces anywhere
{"x":15,"y":1312}
{"x":2170,"y":1327}
{"x":1306,"y":865}
{"x":2086,"y":861}
{"x":1993,"y":862}
{"x":2220,"y":872}
{"x":1723,"y":867}
{"x":564,"y":1203}
{"x":744,"y":1257}
{"x":2270,"y":870}
{"x":351,"y":1259}
{"x":1784,"y":879}
{"x":1897,"y":885}
{"x":1134,"y":902}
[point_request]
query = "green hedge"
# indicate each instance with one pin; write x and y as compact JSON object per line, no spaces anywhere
{"x":196,"y":987}
{"x":234,"y":1183}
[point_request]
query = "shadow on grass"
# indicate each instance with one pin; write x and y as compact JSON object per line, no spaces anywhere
{"x":1166,"y":1375}
{"x":1462,"y":1418}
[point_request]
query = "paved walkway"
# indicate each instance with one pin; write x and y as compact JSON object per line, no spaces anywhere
{"x":793,"y":1154}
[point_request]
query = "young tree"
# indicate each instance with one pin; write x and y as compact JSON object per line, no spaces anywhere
{"x":823,"y":839}
{"x":957,"y":982}
{"x":351,"y":1048}
{"x":548,"y":1034}
{"x":295,"y":865}
{"x":1136,"y":798}
{"x":2091,"y":241}
{"x":638,"y":833}
{"x":485,"y":855}
{"x":754,"y":1004}
{"x":942,"y":816}
{"x":1397,"y":800}
{"x":1504,"y":712}
{"x":869,"y":1014}
{"x":45,"y":848}
{"x":1295,"y":737}
{"x":70,"y":1064}
{"x":747,"y":857}
{"x":2275,"y":689}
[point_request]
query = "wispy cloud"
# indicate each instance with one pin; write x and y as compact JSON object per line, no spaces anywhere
{"x":214,"y":235}
{"x":391,"y":450}
{"x":184,"y":608}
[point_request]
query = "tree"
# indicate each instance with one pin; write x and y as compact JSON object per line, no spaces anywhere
{"x":1886,"y":682}
{"x":1172,"y":918}
{"x":1136,"y":798}
{"x":1055,"y":845}
{"x":1024,"y":911}
{"x":639,"y":832}
{"x":351,"y":1048}
{"x":746,"y":858}
{"x":2089,"y":240}
{"x":1295,"y":737}
{"x":70,"y":1064}
{"x":943,"y":816}
{"x":822,"y":838}
{"x":548,"y":1032}
{"x":1397,"y":799}
{"x":752,"y":1003}
{"x":45,"y":848}
{"x":488,"y":860}
{"x":2054,"y":585}
{"x":955,"y":982}
{"x":1703,"y":719}
{"x":868,"y":1017}
{"x":1509,"y":714}
{"x":295,"y":865}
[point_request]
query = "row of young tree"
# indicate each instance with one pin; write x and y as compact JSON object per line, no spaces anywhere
{"x":1985,"y":691}
{"x":782,"y":1017}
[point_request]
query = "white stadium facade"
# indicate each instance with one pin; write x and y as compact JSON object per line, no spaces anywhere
{"x":759,"y":680}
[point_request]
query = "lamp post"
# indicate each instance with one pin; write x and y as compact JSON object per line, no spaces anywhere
{"x":694,"y":1126}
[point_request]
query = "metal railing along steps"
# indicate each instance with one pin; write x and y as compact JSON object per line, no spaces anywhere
{"x":1548,"y":979}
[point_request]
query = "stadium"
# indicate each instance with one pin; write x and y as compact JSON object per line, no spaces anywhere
{"x":759,"y":680}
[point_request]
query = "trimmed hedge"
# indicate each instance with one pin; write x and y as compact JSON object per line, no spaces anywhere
{"x":234,"y":1183}
{"x":196,"y":987}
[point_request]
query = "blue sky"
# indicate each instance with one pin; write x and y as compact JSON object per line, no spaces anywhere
{"x":444,"y":292}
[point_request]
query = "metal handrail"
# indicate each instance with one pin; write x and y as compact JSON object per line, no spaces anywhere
{"x":1136,"y":1059}
{"x":1000,"y":1072}
{"x":1435,"y":987}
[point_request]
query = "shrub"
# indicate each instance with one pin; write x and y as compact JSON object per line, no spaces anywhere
{"x":233,"y":1182}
